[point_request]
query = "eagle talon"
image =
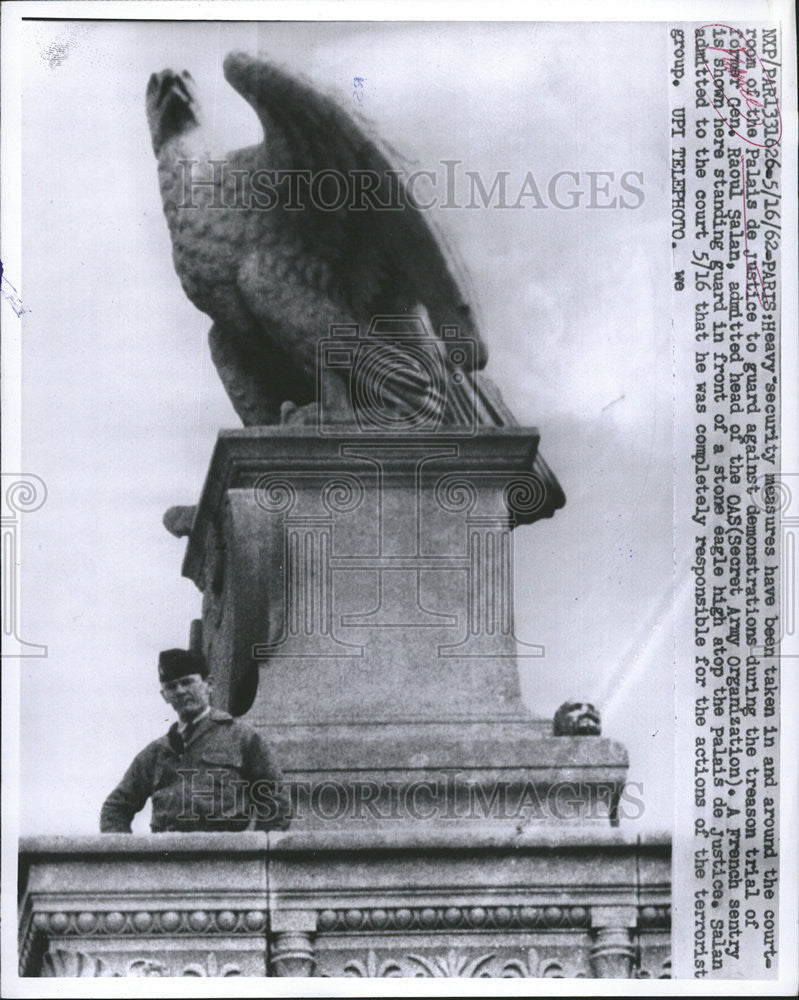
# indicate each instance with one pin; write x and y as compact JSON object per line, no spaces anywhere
{"x":290,"y":413}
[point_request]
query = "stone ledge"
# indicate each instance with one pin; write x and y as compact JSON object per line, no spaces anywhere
{"x":511,"y":747}
{"x":467,"y":836}
{"x":474,"y":901}
{"x":470,"y":837}
{"x":252,"y":843}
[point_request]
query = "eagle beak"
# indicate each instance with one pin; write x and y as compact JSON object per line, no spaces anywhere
{"x":164,"y":88}
{"x":171,"y":104}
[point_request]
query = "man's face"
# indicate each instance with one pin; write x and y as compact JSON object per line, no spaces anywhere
{"x":188,"y":695}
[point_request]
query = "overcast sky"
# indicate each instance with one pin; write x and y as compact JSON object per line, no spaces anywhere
{"x":121,"y":404}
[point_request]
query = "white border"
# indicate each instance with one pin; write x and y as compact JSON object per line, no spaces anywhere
{"x":407,"y":10}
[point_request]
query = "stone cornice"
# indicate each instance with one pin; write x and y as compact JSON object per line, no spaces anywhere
{"x":465,"y":836}
{"x":409,"y":901}
{"x":240,"y":457}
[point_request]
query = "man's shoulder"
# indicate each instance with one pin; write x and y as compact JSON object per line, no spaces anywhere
{"x":152,"y":749}
{"x":217,"y":715}
{"x":239,"y":728}
{"x":226,"y":720}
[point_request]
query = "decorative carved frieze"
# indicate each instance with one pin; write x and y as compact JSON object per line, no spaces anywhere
{"x":458,"y":962}
{"x":59,"y":962}
{"x":76,"y":964}
{"x":663,"y":971}
{"x":428,"y":918}
{"x":87,"y":923}
{"x":212,"y":968}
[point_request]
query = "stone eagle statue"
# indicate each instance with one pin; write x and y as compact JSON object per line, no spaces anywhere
{"x":275,"y":280}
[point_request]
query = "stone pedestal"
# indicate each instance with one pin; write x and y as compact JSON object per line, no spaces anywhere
{"x":358,"y":607}
{"x":355,"y":580}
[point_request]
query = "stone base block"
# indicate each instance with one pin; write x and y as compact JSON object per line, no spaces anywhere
{"x":445,"y":773}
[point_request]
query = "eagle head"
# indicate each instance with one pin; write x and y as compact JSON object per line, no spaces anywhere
{"x":172,"y":108}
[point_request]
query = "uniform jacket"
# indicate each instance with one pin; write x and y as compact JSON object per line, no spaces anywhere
{"x":224,"y":778}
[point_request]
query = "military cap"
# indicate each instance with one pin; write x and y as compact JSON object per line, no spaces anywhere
{"x":174,"y":663}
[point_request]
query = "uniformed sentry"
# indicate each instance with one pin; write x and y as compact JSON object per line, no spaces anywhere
{"x":209,"y":772}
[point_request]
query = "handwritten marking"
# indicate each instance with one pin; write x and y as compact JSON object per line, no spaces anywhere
{"x":357,"y":88}
{"x":755,"y":109}
{"x":10,"y":294}
{"x":751,"y":260}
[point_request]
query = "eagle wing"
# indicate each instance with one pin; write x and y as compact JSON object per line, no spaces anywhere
{"x":375,"y":261}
